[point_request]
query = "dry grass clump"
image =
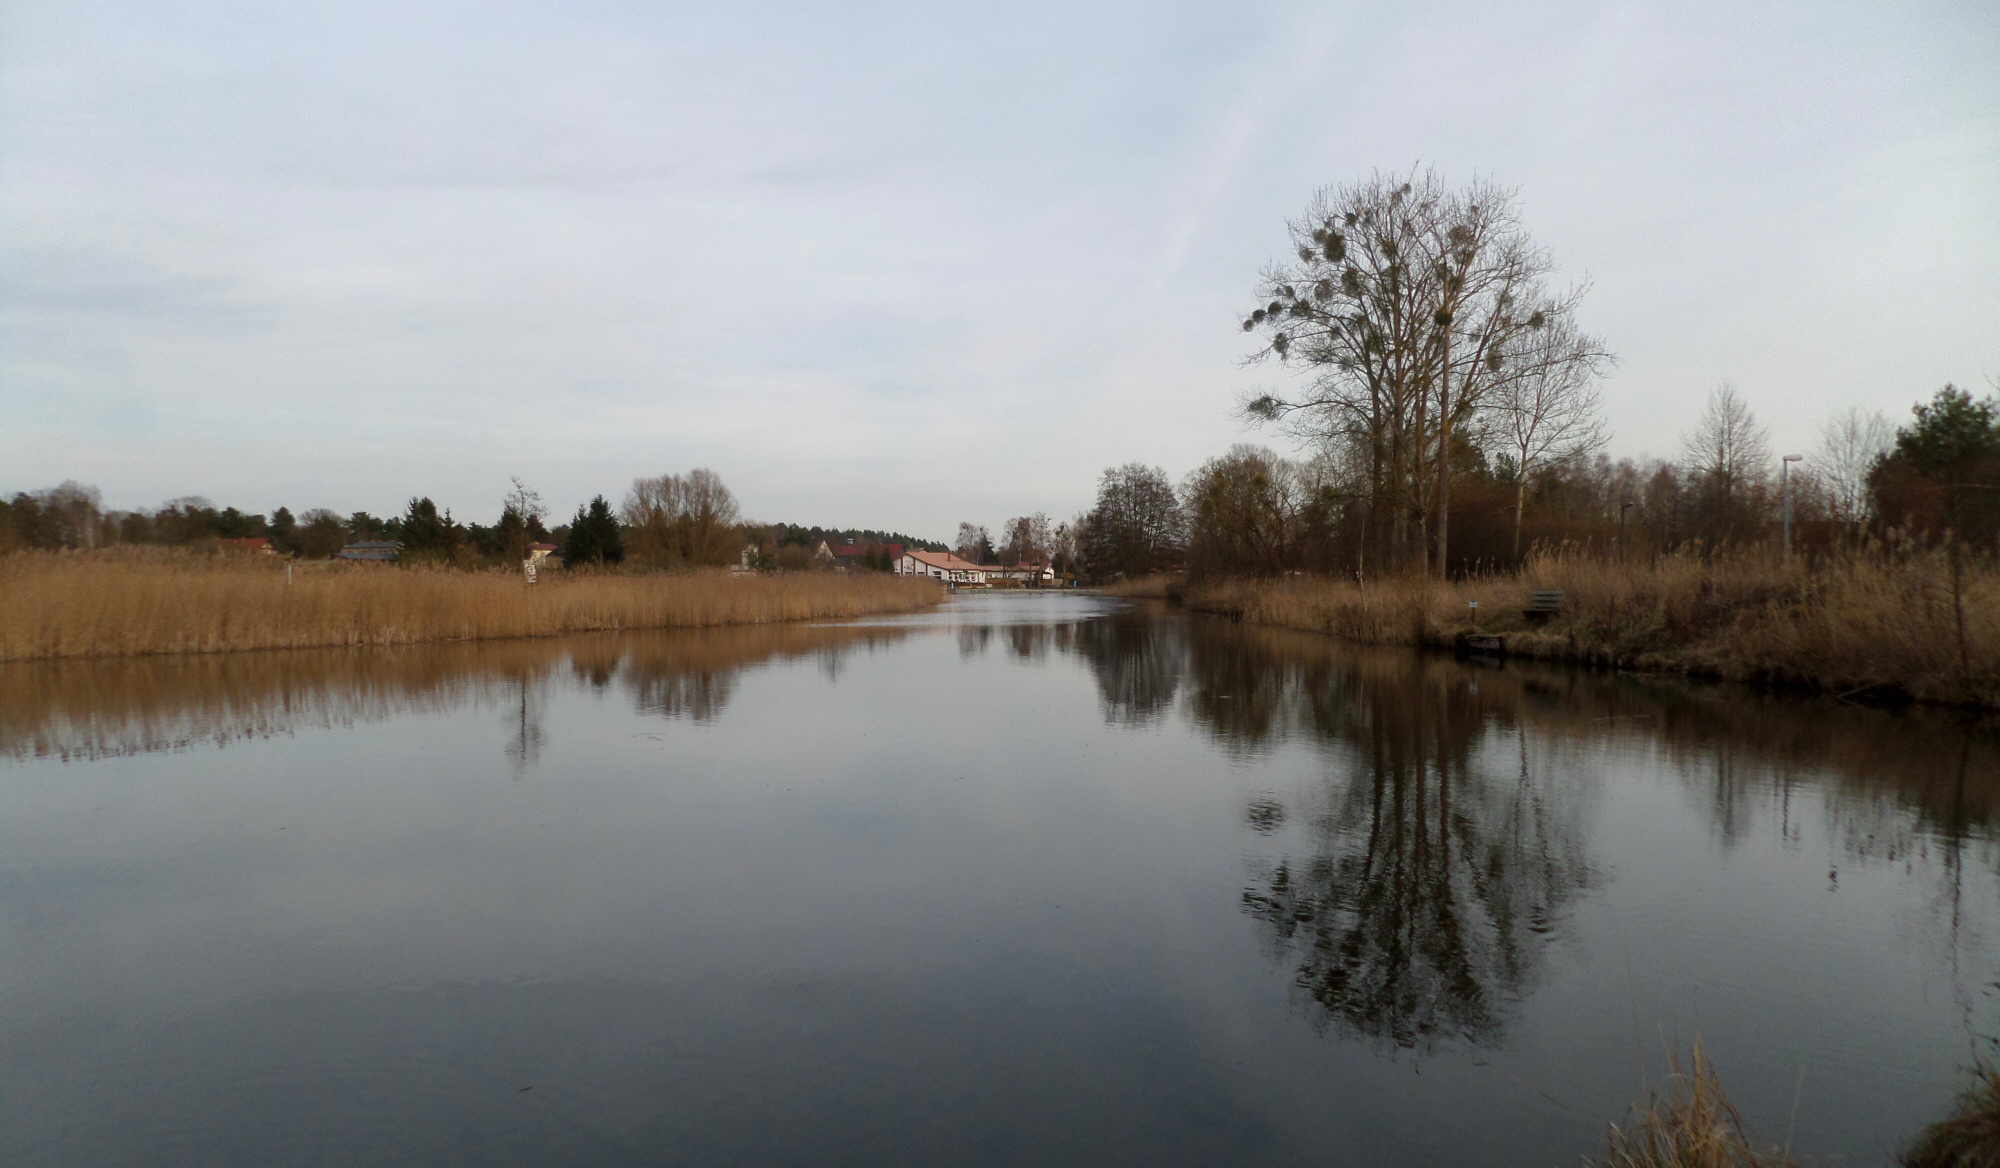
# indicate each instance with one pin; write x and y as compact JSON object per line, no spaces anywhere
{"x":1691,"y":1124}
{"x":1969,"y":1138}
{"x":124,"y":602}
{"x":1876,"y":622}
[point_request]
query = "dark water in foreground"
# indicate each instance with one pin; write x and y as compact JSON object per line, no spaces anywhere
{"x":1032,"y":879}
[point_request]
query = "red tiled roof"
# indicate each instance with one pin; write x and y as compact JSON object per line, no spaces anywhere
{"x":945,"y":560}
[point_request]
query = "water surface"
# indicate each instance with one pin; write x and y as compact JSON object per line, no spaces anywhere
{"x":1032,"y":878}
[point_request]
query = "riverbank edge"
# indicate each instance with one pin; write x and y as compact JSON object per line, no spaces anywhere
{"x":1396,"y":614}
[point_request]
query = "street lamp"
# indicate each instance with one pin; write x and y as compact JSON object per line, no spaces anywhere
{"x":1785,"y":490}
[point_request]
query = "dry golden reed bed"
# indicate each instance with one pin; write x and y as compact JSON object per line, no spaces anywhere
{"x":1158,"y":586}
{"x":114,"y":603}
{"x":1874,"y":623}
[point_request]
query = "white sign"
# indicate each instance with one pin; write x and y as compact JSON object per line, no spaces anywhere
{"x":528,"y":569}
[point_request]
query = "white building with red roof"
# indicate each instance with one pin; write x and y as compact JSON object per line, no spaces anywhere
{"x":940,"y":566}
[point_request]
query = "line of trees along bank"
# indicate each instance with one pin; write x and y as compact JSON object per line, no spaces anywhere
{"x":1251,"y":511}
{"x":665,"y":522}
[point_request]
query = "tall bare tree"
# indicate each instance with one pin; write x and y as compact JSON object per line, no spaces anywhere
{"x":1408,"y":305}
{"x":972,"y":543}
{"x":1136,"y":526}
{"x":1727,"y":456}
{"x":1850,"y":444}
{"x":1549,"y":415}
{"x":676,"y":521}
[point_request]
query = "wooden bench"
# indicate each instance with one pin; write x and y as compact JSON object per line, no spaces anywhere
{"x":1543,"y":603}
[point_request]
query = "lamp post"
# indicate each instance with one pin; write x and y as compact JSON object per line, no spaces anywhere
{"x":1785,"y":489}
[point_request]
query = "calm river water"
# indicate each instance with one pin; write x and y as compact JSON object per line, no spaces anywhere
{"x":1029,"y":879}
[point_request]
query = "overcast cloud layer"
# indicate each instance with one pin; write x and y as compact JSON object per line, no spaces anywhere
{"x":899,"y":268}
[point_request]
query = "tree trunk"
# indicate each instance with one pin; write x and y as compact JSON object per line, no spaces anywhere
{"x":1444,"y":461}
{"x":1520,"y":505}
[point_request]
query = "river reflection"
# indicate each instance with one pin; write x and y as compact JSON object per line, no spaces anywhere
{"x":1437,"y":860}
{"x":1038,"y":878}
{"x":82,"y":710}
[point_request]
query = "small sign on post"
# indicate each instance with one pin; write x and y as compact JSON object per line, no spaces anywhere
{"x":528,"y":569}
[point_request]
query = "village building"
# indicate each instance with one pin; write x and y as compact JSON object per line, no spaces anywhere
{"x":955,"y":570}
{"x":1028,"y":574}
{"x":255,"y":545}
{"x":537,"y":552}
{"x":940,"y":566}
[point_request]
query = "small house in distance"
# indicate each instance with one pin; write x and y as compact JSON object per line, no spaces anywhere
{"x":940,"y":566}
{"x":371,"y":551}
{"x":254,"y":545}
{"x":537,"y":552}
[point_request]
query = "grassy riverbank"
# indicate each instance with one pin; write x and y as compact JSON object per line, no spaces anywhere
{"x":1863,"y":624}
{"x":100,"y":604}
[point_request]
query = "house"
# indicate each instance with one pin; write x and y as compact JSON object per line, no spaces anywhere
{"x":251,"y":546}
{"x":940,"y":566}
{"x":537,"y":552}
{"x":372,"y":551}
{"x":1026,"y":574}
{"x":822,"y":554}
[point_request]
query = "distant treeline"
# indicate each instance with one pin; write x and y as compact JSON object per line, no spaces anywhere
{"x":669,"y":521}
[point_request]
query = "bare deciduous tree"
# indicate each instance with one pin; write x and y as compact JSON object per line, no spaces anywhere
{"x":1409,"y":304}
{"x":972,"y":542}
{"x":1549,"y":415}
{"x":1849,"y":445}
{"x":1728,"y":457}
{"x":675,"y":521}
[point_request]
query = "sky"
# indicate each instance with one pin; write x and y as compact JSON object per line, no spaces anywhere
{"x":902,"y":267}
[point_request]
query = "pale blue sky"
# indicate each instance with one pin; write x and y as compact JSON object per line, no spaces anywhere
{"x":902,"y":267}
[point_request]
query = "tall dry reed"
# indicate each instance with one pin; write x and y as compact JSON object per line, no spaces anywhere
{"x":68,"y":604}
{"x":1906,"y":621}
{"x":1690,"y":1124}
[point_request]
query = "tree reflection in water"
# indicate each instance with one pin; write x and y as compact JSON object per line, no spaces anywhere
{"x":1438,"y":869}
{"x":1137,"y":663}
{"x":524,"y":747}
{"x":1415,"y":890}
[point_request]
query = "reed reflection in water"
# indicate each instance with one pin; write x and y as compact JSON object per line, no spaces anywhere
{"x":110,"y":708}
